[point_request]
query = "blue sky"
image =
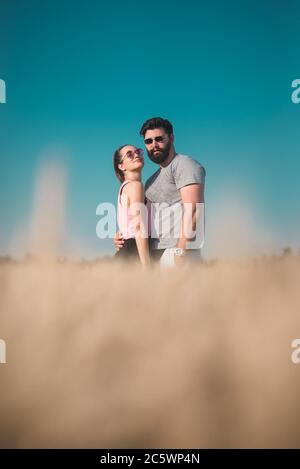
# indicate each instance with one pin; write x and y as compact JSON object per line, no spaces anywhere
{"x":81,"y":78}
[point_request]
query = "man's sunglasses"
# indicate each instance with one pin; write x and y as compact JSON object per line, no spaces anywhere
{"x":158,"y":139}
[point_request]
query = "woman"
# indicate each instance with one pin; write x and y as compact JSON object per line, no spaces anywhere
{"x":128,"y":165}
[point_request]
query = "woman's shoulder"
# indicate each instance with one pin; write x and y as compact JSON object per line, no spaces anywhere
{"x":134,"y":190}
{"x":133,"y":186}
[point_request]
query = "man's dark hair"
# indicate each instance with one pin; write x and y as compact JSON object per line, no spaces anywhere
{"x":156,"y":123}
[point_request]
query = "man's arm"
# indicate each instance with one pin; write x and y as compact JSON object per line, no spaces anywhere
{"x":191,"y":195}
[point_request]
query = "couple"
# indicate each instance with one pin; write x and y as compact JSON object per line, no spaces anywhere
{"x":173,"y":196}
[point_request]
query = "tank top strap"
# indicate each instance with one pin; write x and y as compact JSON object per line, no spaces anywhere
{"x":121,"y":189}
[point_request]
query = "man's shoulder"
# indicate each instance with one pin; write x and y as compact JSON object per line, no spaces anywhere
{"x":181,"y":158}
{"x":185,"y":161}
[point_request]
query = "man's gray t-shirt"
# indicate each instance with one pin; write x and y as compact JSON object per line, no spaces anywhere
{"x":162,"y":192}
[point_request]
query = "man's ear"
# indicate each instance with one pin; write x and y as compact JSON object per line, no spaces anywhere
{"x":172,"y":138}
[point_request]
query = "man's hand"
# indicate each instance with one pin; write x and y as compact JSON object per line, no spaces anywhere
{"x":118,"y":241}
{"x":179,"y":257}
{"x":180,"y":261}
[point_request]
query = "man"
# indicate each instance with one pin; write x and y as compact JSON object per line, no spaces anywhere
{"x":175,"y":196}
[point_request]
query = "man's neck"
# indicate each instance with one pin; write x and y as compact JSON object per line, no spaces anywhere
{"x":171,"y":156}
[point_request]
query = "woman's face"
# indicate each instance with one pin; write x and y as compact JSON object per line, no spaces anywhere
{"x":131,"y":158}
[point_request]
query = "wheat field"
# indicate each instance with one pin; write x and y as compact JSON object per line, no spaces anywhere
{"x":104,"y":355}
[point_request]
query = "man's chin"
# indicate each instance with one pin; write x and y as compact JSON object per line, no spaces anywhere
{"x":158,"y":157}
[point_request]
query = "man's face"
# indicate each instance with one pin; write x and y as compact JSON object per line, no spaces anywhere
{"x":158,"y":144}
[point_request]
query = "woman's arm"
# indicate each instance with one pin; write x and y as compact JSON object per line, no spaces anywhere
{"x":136,"y":196}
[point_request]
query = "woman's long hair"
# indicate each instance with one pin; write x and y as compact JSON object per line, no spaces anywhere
{"x":116,"y":158}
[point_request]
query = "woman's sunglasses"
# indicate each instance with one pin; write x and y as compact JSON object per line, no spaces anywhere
{"x":131,"y":154}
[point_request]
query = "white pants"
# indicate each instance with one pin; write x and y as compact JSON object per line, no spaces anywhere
{"x":168,"y":259}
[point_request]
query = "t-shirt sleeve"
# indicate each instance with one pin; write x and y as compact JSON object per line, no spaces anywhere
{"x":188,"y":171}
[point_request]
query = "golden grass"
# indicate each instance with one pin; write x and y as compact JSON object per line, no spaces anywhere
{"x":109,"y":356}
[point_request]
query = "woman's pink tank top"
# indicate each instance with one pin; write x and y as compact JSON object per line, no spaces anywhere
{"x":125,"y":219}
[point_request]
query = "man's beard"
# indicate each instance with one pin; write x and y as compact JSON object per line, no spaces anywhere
{"x":161,"y":156}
